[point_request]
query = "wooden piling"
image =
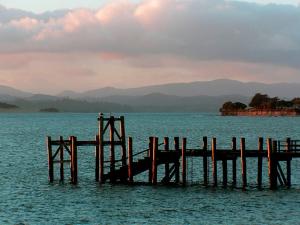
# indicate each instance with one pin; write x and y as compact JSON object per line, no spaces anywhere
{"x":150,"y":155}
{"x":97,"y":159}
{"x":130,"y":160}
{"x":183,"y":158}
{"x":214,"y":161}
{"x":177,"y":163}
{"x":270,"y":162}
{"x":288,"y":163}
{"x":224,"y":166}
{"x":205,"y":174}
{"x":271,"y":165}
{"x":154,"y":161}
{"x":61,"y":158}
{"x":71,"y":165}
{"x":244,"y":162}
{"x":74,"y":167}
{"x":260,"y":161}
{"x":233,"y":148}
{"x":50,"y":161}
{"x":274,"y":173}
{"x":123,"y":140}
{"x":112,"y":150}
{"x":167,"y":165}
{"x":101,"y":149}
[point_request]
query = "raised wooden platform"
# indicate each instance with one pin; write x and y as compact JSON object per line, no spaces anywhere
{"x":124,"y":170}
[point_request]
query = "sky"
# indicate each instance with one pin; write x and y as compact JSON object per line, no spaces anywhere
{"x":121,"y":43}
{"x":38,"y":7}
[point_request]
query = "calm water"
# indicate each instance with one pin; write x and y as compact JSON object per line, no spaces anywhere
{"x":27,"y":198}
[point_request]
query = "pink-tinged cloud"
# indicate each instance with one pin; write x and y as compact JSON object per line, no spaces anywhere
{"x":25,"y":23}
{"x":151,"y":11}
{"x":153,"y":41}
{"x":109,"y":56}
{"x":201,"y":29}
{"x":114,"y":11}
{"x":74,"y":20}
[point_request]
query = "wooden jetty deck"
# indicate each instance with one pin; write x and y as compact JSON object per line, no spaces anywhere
{"x":129,"y":165}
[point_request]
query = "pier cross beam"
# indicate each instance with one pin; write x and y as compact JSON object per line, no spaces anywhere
{"x":115,"y":127}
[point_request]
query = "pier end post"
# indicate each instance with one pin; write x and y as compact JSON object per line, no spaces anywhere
{"x":244,"y":162}
{"x":183,"y":158}
{"x":214,"y":161}
{"x":288,"y":163}
{"x":50,"y":160}
{"x":130,"y":160}
{"x":205,"y":171}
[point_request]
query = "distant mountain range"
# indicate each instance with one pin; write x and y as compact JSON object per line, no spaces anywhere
{"x":202,"y":96}
{"x":208,"y":88}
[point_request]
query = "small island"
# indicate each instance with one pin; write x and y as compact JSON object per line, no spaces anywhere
{"x":49,"y":110}
{"x":262,"y":105}
{"x":7,"y":107}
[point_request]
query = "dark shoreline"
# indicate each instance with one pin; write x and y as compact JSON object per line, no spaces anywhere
{"x":262,"y":112}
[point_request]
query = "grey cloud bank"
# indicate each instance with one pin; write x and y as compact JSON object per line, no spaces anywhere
{"x":195,"y":29}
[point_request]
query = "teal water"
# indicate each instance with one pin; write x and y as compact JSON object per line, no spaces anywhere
{"x":26,"y":197}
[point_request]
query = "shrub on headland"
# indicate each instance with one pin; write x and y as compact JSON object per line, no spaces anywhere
{"x":262,"y":102}
{"x":230,"y":106}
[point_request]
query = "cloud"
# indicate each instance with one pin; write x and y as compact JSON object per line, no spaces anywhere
{"x":148,"y":34}
{"x":198,"y":29}
{"x":25,"y":23}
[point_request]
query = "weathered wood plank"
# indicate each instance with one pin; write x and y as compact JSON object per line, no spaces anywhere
{"x":205,"y":166}
{"x":167,"y":165}
{"x":130,"y":160}
{"x":183,"y":158}
{"x":244,"y":162}
{"x":233,"y":148}
{"x":50,"y":160}
{"x":214,"y":161}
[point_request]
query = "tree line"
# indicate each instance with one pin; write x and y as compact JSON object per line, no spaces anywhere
{"x":262,"y":102}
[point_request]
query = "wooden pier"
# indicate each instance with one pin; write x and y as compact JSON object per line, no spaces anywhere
{"x":111,"y":138}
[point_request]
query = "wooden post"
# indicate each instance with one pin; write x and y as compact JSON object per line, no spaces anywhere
{"x":183,"y":158}
{"x":244,"y":162}
{"x":71,"y":164}
{"x":61,"y":158}
{"x":288,"y":163}
{"x":260,"y":161}
{"x":233,"y":148}
{"x":270,"y":162}
{"x":112,"y":149}
{"x":154,"y":161}
{"x":150,"y":154}
{"x":271,"y":165}
{"x":224,"y":165}
{"x":74,"y":160}
{"x":97,"y":159}
{"x":50,"y":160}
{"x":130,"y":160}
{"x":214,"y":161}
{"x":205,"y":175}
{"x":274,"y":173}
{"x":101,"y":149}
{"x":177,"y":163}
{"x":167,"y":165}
{"x":123,"y":140}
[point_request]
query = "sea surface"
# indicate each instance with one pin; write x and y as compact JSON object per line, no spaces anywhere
{"x":26,"y":197}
